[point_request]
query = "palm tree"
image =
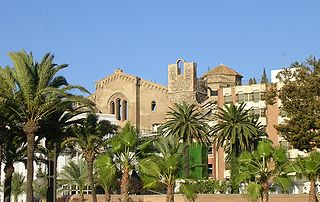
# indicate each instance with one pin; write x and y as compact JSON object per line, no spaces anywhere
{"x":7,"y":118}
{"x":309,"y":167}
{"x":18,"y":185}
{"x":14,"y":150}
{"x":106,"y":173}
{"x":186,"y":123}
{"x":32,"y":95}
{"x":74,"y":174}
{"x":56,"y":128}
{"x":236,"y":131}
{"x":126,"y":149}
{"x":89,"y":136}
{"x":263,"y":167}
{"x":163,"y":167}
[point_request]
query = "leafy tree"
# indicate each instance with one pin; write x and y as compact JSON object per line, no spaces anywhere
{"x":32,"y":96}
{"x":309,"y":167}
{"x":264,"y":78}
{"x":75,"y":174}
{"x":300,"y":99}
{"x":163,"y":167}
{"x":188,"y":124}
{"x":89,"y":136}
{"x":126,"y":149}
{"x":18,"y":185}
{"x":236,"y":131}
{"x":261,"y":168}
{"x":106,"y":173}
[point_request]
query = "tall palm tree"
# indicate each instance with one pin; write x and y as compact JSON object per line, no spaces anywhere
{"x":75,"y":174}
{"x":236,"y":131}
{"x":89,"y":136}
{"x":106,"y":173}
{"x":186,"y":123}
{"x":263,"y":167}
{"x":32,"y":95}
{"x":126,"y":149}
{"x":309,"y":167}
{"x":163,"y":167}
{"x":18,"y":185}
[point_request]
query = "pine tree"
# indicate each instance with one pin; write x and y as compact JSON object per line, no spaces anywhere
{"x":264,"y":78}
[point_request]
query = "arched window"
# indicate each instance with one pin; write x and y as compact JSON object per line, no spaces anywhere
{"x":153,"y":106}
{"x":180,"y":65}
{"x":112,"y":108}
{"x":124,"y":110}
{"x":118,"y":109}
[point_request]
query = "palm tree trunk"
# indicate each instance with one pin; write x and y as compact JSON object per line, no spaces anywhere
{"x":170,"y":193}
{"x":234,"y":171}
{"x":107,"y":195}
{"x":50,"y":164}
{"x":186,"y":169}
{"x":82,"y":197}
{"x":265,"y":192}
{"x":30,"y":128}
{"x":30,"y":154}
{"x":125,"y":184}
{"x":312,"y":192}
{"x":90,"y":176}
{"x":8,"y":170}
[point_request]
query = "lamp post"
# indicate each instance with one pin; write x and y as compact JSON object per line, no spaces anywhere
{"x":52,"y":175}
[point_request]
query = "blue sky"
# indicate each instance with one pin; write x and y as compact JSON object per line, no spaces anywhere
{"x":143,"y":37}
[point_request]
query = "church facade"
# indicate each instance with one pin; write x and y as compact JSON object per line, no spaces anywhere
{"x":145,"y":103}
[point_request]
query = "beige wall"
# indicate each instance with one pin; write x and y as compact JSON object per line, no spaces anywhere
{"x":201,"y":198}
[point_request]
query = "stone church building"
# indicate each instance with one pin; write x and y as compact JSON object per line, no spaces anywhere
{"x":145,"y":103}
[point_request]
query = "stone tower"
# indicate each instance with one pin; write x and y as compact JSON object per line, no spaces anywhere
{"x":183,"y":84}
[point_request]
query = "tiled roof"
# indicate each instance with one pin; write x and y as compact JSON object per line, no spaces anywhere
{"x":223,"y":69}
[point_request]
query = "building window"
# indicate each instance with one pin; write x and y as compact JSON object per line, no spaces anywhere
{"x":210,"y":169}
{"x":227,"y":99}
{"x":213,"y":92}
{"x":263,"y":112}
{"x":153,"y":106}
{"x":240,"y":98}
{"x":124,"y":110}
{"x":256,"y":96}
{"x":180,"y":65}
{"x":210,"y":149}
{"x":263,"y":96}
{"x":118,"y":109}
{"x":112,"y":108}
{"x":250,"y":95}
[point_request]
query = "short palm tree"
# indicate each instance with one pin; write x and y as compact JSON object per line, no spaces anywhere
{"x":309,"y":167}
{"x":163,"y":167}
{"x":32,"y":95}
{"x":263,"y":167}
{"x":89,"y":136}
{"x":74,"y":175}
{"x":105,"y":173}
{"x":14,"y":151}
{"x":126,"y":148}
{"x":236,"y":131}
{"x":186,"y":123}
{"x":18,"y":185}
